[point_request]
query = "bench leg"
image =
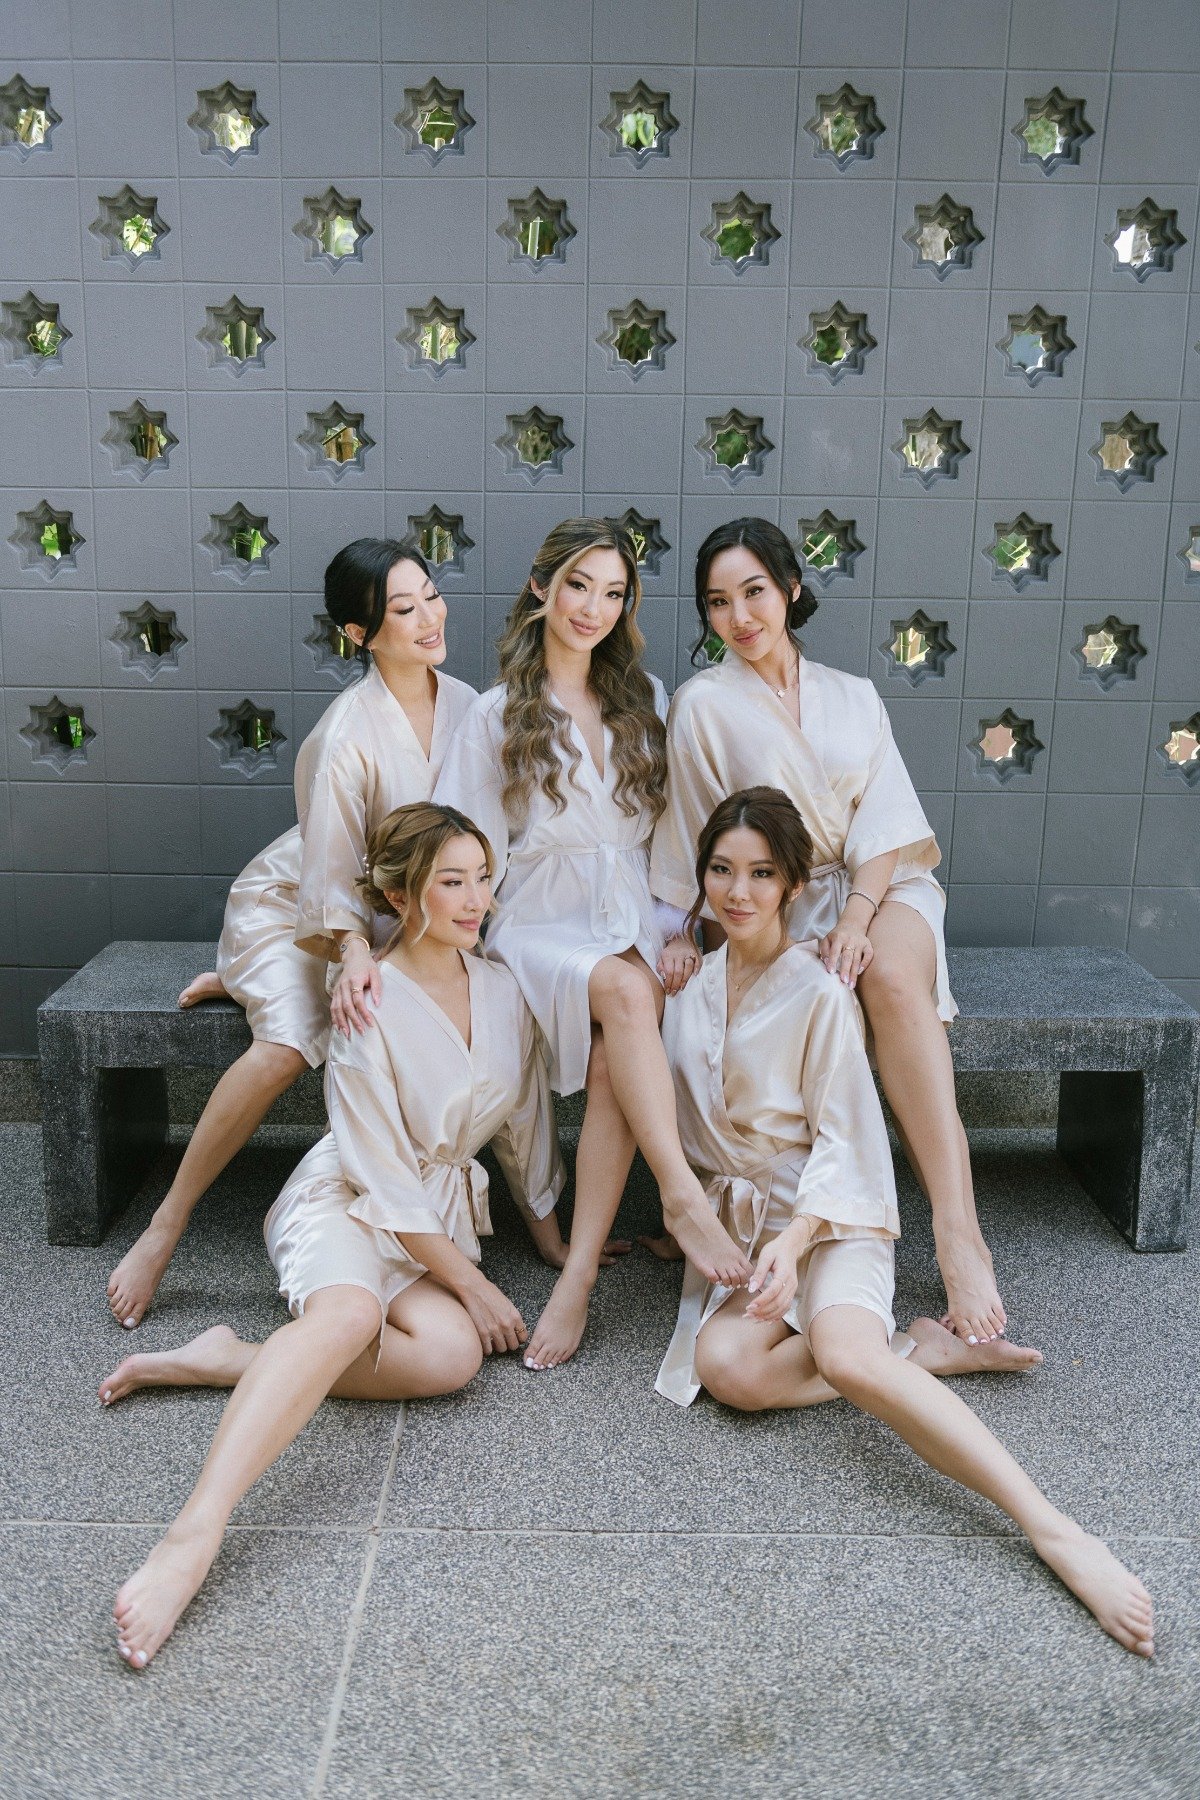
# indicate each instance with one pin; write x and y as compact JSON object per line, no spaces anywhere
{"x":1127,"y":1137}
{"x":101,"y":1131}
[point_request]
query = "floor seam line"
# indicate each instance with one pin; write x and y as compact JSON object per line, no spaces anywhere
{"x":341,"y":1686}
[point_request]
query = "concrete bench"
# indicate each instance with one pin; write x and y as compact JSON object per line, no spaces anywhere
{"x":1126,"y":1050}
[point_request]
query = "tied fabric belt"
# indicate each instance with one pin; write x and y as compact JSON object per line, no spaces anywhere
{"x":459,"y":1193}
{"x":615,"y":911}
{"x":741,"y":1201}
{"x":829,"y":868}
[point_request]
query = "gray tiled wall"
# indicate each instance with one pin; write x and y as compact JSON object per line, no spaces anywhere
{"x":1097,"y":842}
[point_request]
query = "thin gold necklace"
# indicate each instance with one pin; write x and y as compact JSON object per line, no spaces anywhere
{"x":782,"y":693}
{"x":760,"y":969}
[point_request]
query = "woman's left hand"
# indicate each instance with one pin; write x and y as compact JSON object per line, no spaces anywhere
{"x":677,"y":964}
{"x":846,"y":951}
{"x":773,"y":1285}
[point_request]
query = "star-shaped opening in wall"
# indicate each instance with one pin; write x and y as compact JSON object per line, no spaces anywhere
{"x":434,"y":121}
{"x":333,"y":652}
{"x":27,"y":118}
{"x":1035,"y":345}
{"x":828,"y":547}
{"x":46,"y":540}
{"x":1189,"y":555}
{"x":235,"y":336}
{"x":246,"y":737}
{"x":1021,"y":551}
{"x":227,"y":121}
{"x":32,"y":332}
{"x":646,"y":535}
{"x":58,"y":733}
{"x":535,"y":443}
{"x":241,"y":542}
{"x":1128,"y":451}
{"x":639,"y":124}
{"x":1052,"y":131}
{"x":740,"y":232}
{"x":436,"y":337}
{"x":130,"y":227}
{"x":917,"y":648}
{"x":333,"y":229}
{"x":845,"y":126}
{"x":943,"y":236}
{"x":734,"y":445}
{"x":637,"y":339}
{"x":335,"y":442}
{"x":1180,"y":753}
{"x":931,"y":448}
{"x":441,"y":539}
{"x":1006,"y":746}
{"x":1109,"y":652}
{"x":537,"y":229}
{"x":837,"y":342}
{"x":149,"y":640}
{"x":1145,"y":238}
{"x":139,"y":440}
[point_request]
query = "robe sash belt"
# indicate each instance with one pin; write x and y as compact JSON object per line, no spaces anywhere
{"x":459,"y":1192}
{"x":615,"y":890}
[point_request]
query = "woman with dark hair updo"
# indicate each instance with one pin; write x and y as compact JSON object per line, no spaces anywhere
{"x":375,"y":1237}
{"x":765,"y":712}
{"x":563,"y":764}
{"x":779,"y":1118}
{"x":295,"y":907}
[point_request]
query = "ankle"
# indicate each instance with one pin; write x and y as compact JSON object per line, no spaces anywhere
{"x":580,"y":1271}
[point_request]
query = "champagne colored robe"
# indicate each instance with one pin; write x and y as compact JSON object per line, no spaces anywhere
{"x":571,"y":887}
{"x":361,"y":760}
{"x":778,"y":1117}
{"x":728,"y":730}
{"x":409,"y":1107}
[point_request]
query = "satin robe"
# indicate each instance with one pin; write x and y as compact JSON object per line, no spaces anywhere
{"x":571,"y":887}
{"x":409,"y":1107}
{"x":361,"y":760}
{"x":778,"y":1117}
{"x":727,"y":730}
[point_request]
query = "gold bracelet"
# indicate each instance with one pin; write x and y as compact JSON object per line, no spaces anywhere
{"x":857,"y":894}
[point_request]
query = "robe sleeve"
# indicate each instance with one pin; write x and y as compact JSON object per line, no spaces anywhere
{"x":848,"y":1179}
{"x":526,"y":1146}
{"x":378,"y":1158}
{"x":694,"y":787}
{"x":335,"y":842}
{"x":471,"y":778}
{"x":889,"y":815}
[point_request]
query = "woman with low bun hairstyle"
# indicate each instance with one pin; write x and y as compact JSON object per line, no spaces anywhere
{"x":376,"y":1237}
{"x":563,"y":763}
{"x":295,"y":908}
{"x":765,"y":712}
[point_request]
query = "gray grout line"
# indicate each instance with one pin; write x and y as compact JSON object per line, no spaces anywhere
{"x":356,"y":1616}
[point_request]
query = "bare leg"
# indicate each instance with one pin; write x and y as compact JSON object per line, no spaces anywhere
{"x":755,"y":1364}
{"x":851,"y":1351}
{"x":208,"y":986}
{"x":279,"y":1390}
{"x":917,"y":1074}
{"x":237,"y":1105}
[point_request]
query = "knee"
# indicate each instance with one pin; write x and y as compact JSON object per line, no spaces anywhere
{"x":279,"y":1064}
{"x":729,"y":1375}
{"x":463,"y":1357}
{"x":348,"y":1316}
{"x":888,"y":983}
{"x":850,"y":1371}
{"x":624,"y":996}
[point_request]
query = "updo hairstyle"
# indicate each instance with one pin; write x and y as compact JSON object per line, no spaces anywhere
{"x":769,"y":811}
{"x":356,"y":586}
{"x":777,"y":555}
{"x":402,"y":853}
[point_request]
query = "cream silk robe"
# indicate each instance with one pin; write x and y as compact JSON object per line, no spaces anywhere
{"x":572,"y":887}
{"x":778,"y":1116}
{"x":361,"y":760}
{"x":409,"y":1108}
{"x":728,"y":730}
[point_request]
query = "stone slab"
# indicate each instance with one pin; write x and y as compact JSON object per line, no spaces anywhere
{"x":235,"y":1704}
{"x":758,"y":1664}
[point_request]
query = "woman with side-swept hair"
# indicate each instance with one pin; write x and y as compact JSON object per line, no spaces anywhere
{"x":564,"y":764}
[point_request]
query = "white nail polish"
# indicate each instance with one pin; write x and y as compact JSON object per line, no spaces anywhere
{"x":972,"y":1340}
{"x":130,"y":1323}
{"x":108,"y":1393}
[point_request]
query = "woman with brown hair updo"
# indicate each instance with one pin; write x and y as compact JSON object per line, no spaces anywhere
{"x":779,"y":1118}
{"x":564,"y":764}
{"x":765,"y":712}
{"x":375,"y":1239}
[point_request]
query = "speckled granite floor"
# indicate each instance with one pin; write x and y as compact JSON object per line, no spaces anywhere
{"x":560,"y":1586}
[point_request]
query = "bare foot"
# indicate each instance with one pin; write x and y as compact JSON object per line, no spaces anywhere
{"x":974,"y":1310}
{"x":941,"y":1352}
{"x":1114,"y":1596}
{"x":702,"y":1238}
{"x":552,"y":1246}
{"x":208,"y":986}
{"x":559,"y":1332}
{"x":664,"y":1247}
{"x":217,"y":1358}
{"x":147,"y":1608}
{"x":134,"y":1282}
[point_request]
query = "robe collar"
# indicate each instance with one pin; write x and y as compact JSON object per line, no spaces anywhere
{"x":441,"y":712}
{"x":821,"y":811}
{"x":442,"y":1019}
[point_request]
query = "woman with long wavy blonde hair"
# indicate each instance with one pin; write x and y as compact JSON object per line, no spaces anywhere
{"x":563,"y":764}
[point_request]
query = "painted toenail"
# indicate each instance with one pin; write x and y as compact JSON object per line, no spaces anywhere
{"x":130,"y":1323}
{"x":972,"y":1340}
